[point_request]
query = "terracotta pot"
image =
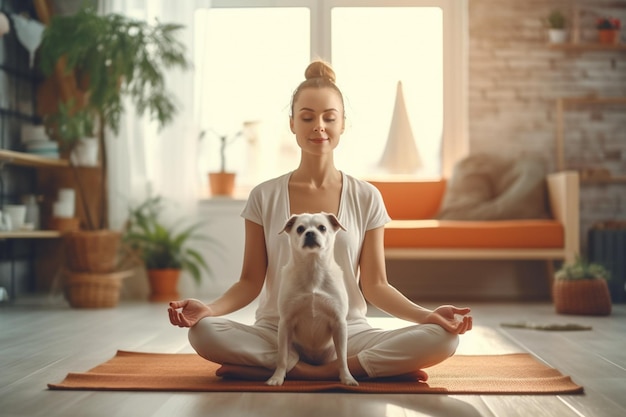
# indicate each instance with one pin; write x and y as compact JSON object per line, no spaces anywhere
{"x":582,"y":296}
{"x":608,"y":36}
{"x":164,"y":284}
{"x":222,"y":183}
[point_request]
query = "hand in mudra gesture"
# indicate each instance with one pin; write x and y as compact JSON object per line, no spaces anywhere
{"x":186,"y":313}
{"x":446,"y":317}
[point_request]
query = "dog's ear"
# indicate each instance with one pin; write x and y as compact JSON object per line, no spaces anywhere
{"x":334,"y":222}
{"x":289,"y":224}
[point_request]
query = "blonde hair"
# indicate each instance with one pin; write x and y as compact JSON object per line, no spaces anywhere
{"x":318,"y":74}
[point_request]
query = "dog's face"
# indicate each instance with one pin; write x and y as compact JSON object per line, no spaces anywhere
{"x":312,"y":232}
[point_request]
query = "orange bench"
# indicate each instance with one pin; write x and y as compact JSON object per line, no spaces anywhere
{"x":414,"y":233}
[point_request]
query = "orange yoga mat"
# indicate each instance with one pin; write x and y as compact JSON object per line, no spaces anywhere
{"x":477,"y":374}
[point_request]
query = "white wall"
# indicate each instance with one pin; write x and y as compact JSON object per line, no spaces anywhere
{"x":224,"y":255}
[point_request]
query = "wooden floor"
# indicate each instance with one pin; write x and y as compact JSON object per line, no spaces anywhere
{"x":40,"y":342}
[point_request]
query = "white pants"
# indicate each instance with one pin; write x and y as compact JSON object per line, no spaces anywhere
{"x":380,"y":352}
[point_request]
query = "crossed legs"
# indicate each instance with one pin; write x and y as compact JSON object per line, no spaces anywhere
{"x":250,"y":352}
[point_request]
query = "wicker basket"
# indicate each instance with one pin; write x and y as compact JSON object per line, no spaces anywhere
{"x":582,"y":296}
{"x":88,"y":290}
{"x":92,"y":251}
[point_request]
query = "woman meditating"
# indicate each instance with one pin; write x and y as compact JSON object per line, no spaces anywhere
{"x":317,"y":120}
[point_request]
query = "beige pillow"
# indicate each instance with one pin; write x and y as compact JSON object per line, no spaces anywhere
{"x":490,"y":187}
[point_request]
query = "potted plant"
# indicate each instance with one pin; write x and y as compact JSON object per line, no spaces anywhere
{"x":581,"y":288}
{"x":112,"y":58}
{"x":556,"y":27}
{"x":222,"y":182}
{"x":164,"y":251}
{"x":608,"y":30}
{"x":100,"y":62}
{"x":74,"y":129}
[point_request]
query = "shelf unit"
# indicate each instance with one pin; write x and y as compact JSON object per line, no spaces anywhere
{"x":561,"y":106}
{"x":24,"y":159}
{"x":27,"y":234}
{"x":587,"y":46}
{"x":20,"y":172}
{"x":620,"y":179}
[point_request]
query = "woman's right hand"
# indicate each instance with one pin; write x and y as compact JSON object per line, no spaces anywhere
{"x":186,"y":313}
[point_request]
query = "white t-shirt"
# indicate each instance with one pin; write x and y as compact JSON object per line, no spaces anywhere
{"x":361,"y":208}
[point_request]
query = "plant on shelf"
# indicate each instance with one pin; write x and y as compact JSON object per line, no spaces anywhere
{"x":165,"y":251}
{"x":608,"y":23}
{"x":608,"y":30}
{"x":69,"y":124}
{"x":222,"y":182}
{"x":556,"y":20}
{"x":74,"y":129}
{"x":556,"y":27}
{"x":581,"y":288}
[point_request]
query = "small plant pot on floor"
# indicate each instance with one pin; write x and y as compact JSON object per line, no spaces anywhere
{"x":164,"y":285}
{"x":582,"y":297}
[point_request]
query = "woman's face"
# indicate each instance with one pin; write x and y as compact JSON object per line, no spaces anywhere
{"x":318,"y":120}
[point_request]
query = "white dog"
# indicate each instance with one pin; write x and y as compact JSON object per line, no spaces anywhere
{"x":312,"y":299}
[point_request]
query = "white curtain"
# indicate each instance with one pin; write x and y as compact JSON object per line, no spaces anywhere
{"x":142,"y":158}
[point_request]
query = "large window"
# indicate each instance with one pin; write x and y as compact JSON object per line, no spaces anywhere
{"x":250,"y":55}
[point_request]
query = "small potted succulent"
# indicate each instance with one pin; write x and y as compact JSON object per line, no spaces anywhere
{"x":580,"y":288}
{"x":608,"y":30}
{"x":556,"y":22}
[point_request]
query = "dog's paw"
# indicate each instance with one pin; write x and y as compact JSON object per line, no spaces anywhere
{"x":348,"y":379}
{"x":276,"y":379}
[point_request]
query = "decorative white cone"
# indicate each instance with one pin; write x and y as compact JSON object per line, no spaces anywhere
{"x":400,"y":155}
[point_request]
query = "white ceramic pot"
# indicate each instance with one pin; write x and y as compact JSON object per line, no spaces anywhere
{"x":63,"y":209}
{"x":557,"y":35}
{"x":17,"y":214}
{"x":86,"y":153}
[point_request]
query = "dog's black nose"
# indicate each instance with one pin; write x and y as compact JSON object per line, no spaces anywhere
{"x":310,"y":240}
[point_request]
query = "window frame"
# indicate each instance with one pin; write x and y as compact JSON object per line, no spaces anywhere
{"x":455,"y":140}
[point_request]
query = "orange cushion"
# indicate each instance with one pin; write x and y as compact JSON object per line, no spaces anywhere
{"x":474,"y":234}
{"x":408,"y":200}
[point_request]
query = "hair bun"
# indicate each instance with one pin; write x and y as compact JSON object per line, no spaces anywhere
{"x":319,"y":69}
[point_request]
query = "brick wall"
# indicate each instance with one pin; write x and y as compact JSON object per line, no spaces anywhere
{"x":515,"y":78}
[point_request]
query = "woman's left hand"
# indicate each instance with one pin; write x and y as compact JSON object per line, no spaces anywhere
{"x":445,"y":316}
